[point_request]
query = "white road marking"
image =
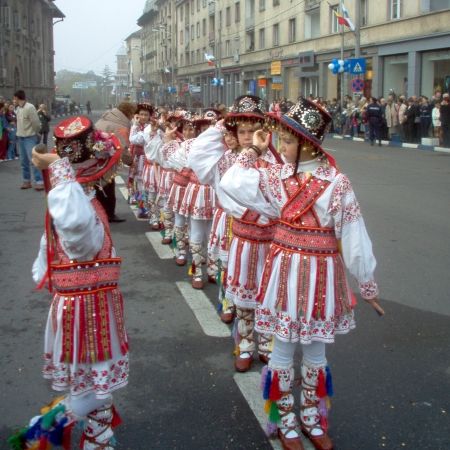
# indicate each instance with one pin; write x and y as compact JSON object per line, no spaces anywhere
{"x":163,"y":251}
{"x":408,"y":145}
{"x":124,"y":191}
{"x":203,"y":310}
{"x":442,"y":149}
{"x":249,"y":383}
{"x":119,"y":180}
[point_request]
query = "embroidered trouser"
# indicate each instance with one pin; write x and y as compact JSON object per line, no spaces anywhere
{"x":198,"y":238}
{"x":245,"y":333}
{"x":181,"y":235}
{"x":168,"y":215}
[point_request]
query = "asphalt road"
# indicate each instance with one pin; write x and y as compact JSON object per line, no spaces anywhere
{"x":391,"y":375}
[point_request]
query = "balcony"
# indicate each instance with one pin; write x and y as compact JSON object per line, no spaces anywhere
{"x":211,"y":8}
{"x":212,"y":36}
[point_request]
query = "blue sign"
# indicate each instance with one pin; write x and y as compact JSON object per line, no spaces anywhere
{"x":252,"y":87}
{"x":357,"y":66}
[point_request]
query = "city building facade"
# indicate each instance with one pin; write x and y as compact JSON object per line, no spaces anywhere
{"x":274,"y":48}
{"x":133,"y":49}
{"x":26,"y":48}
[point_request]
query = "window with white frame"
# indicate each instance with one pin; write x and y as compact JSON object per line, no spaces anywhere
{"x":395,"y":9}
{"x":204,"y":27}
{"x":262,"y":38}
{"x":333,"y":19}
{"x":228,"y":16}
{"x":262,"y":5}
{"x":237,"y":12}
{"x":198,"y":29}
{"x":276,"y":35}
{"x":292,"y":30}
{"x":363,"y":10}
{"x":227,"y":48}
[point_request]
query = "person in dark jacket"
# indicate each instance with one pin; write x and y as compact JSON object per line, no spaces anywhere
{"x":117,"y":121}
{"x":425,"y":117}
{"x":445,"y":120}
{"x":375,"y":119}
{"x":412,"y":113}
{"x":44,"y":118}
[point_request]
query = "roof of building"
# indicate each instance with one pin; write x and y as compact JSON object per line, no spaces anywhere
{"x":135,"y":34}
{"x":122,"y":51}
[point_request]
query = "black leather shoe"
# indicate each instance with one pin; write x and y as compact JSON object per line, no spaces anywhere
{"x":116,"y":219}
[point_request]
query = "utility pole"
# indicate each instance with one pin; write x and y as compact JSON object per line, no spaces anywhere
{"x":341,"y":74}
{"x":219,"y":59}
{"x":357,"y":28}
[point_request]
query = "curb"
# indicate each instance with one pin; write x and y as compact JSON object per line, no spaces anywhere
{"x":394,"y":143}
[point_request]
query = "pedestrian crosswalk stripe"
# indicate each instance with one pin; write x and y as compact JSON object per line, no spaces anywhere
{"x":119,"y":180}
{"x":249,"y":383}
{"x":163,"y":251}
{"x":203,"y":310}
{"x":124,"y":191}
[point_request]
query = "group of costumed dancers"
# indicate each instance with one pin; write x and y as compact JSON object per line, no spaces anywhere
{"x":276,"y":229}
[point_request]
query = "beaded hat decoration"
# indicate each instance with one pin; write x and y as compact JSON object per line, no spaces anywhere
{"x":305,"y":119}
{"x":95,"y":154}
{"x":73,"y":138}
{"x":246,"y":108}
{"x":213,"y":115}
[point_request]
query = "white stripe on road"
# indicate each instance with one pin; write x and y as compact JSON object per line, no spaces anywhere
{"x":124,"y":192}
{"x":203,"y":310}
{"x":119,"y":180}
{"x":249,"y":384}
{"x":163,"y":251}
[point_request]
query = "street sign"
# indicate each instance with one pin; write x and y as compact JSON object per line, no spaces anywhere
{"x":357,"y":66}
{"x":277,"y":80}
{"x":84,"y":84}
{"x":357,"y":85}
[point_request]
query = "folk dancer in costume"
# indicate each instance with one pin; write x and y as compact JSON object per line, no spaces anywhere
{"x":305,"y":297}
{"x":252,"y":231}
{"x":160,"y":149}
{"x":178,"y":161}
{"x":137,"y":140}
{"x":86,"y":345}
{"x":198,"y":206}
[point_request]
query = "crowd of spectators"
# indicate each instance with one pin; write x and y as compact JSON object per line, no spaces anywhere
{"x":8,"y":128}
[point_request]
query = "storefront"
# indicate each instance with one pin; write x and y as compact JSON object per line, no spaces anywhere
{"x":435,"y":72}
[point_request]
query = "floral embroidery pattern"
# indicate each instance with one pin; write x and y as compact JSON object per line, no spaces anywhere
{"x":101,"y":378}
{"x":247,"y":159}
{"x":352,"y":212}
{"x":369,"y":289}
{"x":61,"y":172}
{"x":282,"y":325}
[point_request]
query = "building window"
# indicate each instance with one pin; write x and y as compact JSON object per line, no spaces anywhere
{"x":227,"y":48}
{"x":5,"y":17}
{"x":237,"y":12}
{"x":250,"y":40}
{"x":395,"y":9}
{"x":333,"y":19}
{"x":276,"y":35}
{"x":198,"y":29}
{"x":192,"y":7}
{"x":192,"y":57}
{"x":228,"y":16}
{"x":204,"y":27}
{"x":192,"y":32}
{"x":198,"y":56}
{"x":363,"y":10}
{"x":181,"y":12}
{"x":312,"y":24}
{"x":181,"y":60}
{"x":262,"y":5}
{"x":276,"y":2}
{"x":292,"y":30}
{"x":181,"y":37}
{"x":204,"y":3}
{"x":262,"y":38}
{"x":198,"y":5}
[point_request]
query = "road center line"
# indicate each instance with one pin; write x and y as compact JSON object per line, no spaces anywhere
{"x":203,"y":310}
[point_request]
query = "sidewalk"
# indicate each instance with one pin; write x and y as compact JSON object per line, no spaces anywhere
{"x":393,"y":143}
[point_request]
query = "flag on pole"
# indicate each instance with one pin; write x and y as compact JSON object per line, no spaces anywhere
{"x":210,"y":59}
{"x":344,"y":18}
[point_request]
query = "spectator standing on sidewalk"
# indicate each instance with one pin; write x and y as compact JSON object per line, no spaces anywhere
{"x":28,"y":126}
{"x":436,"y":120}
{"x":411,"y":113}
{"x":425,"y":117}
{"x":402,"y":117}
{"x":88,"y":107}
{"x":445,"y":120}
{"x":3,"y":133}
{"x":12,"y":129}
{"x":44,"y":118}
{"x":375,"y":118}
{"x":391,"y":115}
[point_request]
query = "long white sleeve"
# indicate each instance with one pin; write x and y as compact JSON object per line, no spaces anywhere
{"x":153,"y":148}
{"x":137,"y":135}
{"x":205,"y":154}
{"x":351,"y":230}
{"x":178,"y":159}
{"x":249,"y":186}
{"x":79,"y":230}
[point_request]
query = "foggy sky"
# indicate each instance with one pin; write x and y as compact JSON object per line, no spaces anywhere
{"x":92,"y":32}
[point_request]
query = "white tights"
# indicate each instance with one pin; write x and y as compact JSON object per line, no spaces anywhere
{"x":283,"y":353}
{"x":82,"y":406}
{"x":199,"y":231}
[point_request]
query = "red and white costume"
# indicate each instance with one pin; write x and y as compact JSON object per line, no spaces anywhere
{"x":136,"y":175}
{"x":86,"y":345}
